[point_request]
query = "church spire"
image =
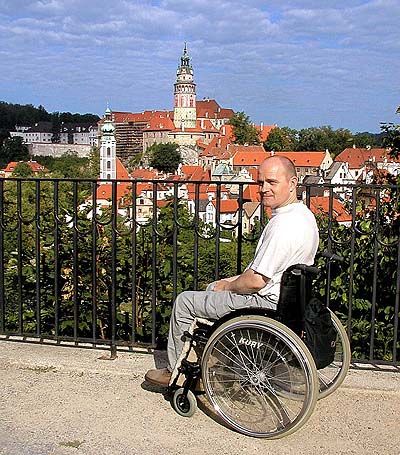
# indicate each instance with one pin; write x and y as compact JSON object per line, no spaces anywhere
{"x":185,"y":59}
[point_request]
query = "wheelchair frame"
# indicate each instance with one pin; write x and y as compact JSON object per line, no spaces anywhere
{"x":257,"y":372}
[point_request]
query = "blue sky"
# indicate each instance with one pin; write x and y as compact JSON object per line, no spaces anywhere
{"x":292,"y":63}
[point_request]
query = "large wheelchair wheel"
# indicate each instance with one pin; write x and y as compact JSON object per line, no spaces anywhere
{"x":259,"y":377}
{"x":332,"y":376}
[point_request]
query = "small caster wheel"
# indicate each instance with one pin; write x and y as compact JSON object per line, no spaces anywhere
{"x":184,"y":405}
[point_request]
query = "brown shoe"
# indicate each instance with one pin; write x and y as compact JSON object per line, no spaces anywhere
{"x":158,"y":377}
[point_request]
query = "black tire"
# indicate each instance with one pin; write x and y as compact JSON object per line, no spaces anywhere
{"x":332,"y":376}
{"x":184,"y":404}
{"x":259,"y":376}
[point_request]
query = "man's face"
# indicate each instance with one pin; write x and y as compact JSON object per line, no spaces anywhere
{"x":275,"y":187}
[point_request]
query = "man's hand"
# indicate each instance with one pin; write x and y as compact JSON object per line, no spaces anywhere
{"x":221,"y":285}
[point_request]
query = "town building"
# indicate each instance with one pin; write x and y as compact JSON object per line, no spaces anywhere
{"x":66,"y":133}
{"x":191,"y":124}
{"x":362,"y":163}
{"x":36,"y":168}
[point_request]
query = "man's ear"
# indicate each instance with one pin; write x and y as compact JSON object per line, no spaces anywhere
{"x":293,"y":183}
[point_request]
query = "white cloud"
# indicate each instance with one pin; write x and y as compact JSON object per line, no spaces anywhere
{"x":295,"y":60}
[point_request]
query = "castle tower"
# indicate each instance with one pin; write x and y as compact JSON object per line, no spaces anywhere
{"x":185,"y":94}
{"x":108,"y":149}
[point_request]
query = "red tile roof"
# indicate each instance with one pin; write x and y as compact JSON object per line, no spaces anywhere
{"x":104,"y":191}
{"x":321,"y":203}
{"x":160,"y":121}
{"x":137,"y":117}
{"x":217,"y":146}
{"x":211,"y":109}
{"x":304,"y":159}
{"x":203,"y":194}
{"x":195,"y":173}
{"x":34,"y":165}
{"x":264,"y":131}
{"x":121,"y":171}
{"x":227,"y":205}
{"x":252,"y":155}
{"x":250,"y":193}
{"x":356,"y":157}
{"x":201,"y":126}
{"x":144,"y":174}
{"x":253,"y":173}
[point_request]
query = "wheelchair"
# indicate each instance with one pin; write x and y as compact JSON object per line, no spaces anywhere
{"x":254,"y":366}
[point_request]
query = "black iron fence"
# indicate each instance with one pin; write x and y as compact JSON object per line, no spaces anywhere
{"x":101,"y":262}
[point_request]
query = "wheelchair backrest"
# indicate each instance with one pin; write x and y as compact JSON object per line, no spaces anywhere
{"x":295,"y":291}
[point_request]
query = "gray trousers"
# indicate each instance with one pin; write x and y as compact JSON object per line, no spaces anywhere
{"x":208,"y":305}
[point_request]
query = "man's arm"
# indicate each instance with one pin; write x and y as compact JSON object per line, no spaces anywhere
{"x":248,"y":282}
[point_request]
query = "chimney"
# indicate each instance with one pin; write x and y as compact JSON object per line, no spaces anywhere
{"x":261,"y":126}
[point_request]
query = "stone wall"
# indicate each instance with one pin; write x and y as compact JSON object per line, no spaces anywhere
{"x":57,"y":150}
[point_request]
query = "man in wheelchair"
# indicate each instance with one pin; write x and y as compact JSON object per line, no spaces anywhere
{"x":291,"y":237}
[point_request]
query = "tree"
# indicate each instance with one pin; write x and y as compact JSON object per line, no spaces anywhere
{"x":164,"y":157}
{"x":13,"y":149}
{"x":23,"y":170}
{"x":244,"y":131}
{"x":94,"y":162}
{"x":281,"y":139}
{"x":365,"y":139}
{"x":392,"y":137}
{"x":324,"y":138}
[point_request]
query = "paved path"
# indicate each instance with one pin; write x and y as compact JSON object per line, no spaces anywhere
{"x":62,"y":400}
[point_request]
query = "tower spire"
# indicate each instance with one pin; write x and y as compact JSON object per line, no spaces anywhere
{"x":185,"y":94}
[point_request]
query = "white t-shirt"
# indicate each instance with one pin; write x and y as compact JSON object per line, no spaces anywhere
{"x":290,"y":237}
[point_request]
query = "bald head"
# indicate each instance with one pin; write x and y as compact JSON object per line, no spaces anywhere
{"x":277,"y":181}
{"x":283,"y":161}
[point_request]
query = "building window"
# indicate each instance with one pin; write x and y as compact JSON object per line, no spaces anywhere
{"x":108,"y":152}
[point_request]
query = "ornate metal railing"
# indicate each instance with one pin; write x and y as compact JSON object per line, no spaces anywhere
{"x":109,"y":276}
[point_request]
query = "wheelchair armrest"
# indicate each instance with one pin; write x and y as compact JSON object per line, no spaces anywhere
{"x":308,"y":269}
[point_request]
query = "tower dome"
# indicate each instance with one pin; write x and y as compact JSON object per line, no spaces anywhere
{"x":107,"y":128}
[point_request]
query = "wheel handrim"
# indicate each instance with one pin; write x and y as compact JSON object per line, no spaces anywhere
{"x":261,"y":385}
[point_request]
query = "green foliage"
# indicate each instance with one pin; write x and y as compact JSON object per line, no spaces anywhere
{"x":75,"y":268}
{"x":23,"y":170}
{"x":94,"y":162}
{"x":317,"y":139}
{"x":17,"y":114}
{"x":245,"y":132}
{"x":70,"y":165}
{"x":164,"y":157}
{"x":134,"y":162}
{"x":27,"y":115}
{"x":365,"y":298}
{"x":365,"y":139}
{"x":322,"y":138}
{"x":174,"y":245}
{"x":392,"y":137}
{"x":13,"y":149}
{"x":280,"y":139}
